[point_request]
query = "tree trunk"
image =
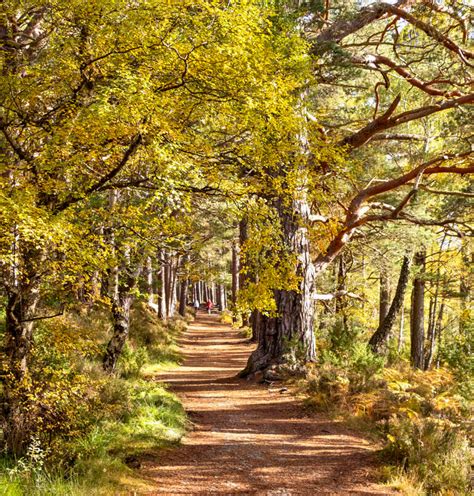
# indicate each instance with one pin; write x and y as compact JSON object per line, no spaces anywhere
{"x":381,"y":336}
{"x":243,"y":275}
{"x":417,"y":330}
{"x":149,"y":280}
{"x":222,"y":291}
{"x":18,"y":339}
{"x":162,"y":313}
{"x":256,"y":323}
{"x":174,"y":263}
{"x":127,"y":281}
{"x":339,"y":335}
{"x":121,"y":319}
{"x":437,"y":327}
{"x":235,"y":278}
{"x":384,"y":301}
{"x":22,"y":300}
{"x":183,"y":292}
{"x":465,"y":283}
{"x":289,"y":334}
{"x":401,"y":328}
{"x":439,"y":332}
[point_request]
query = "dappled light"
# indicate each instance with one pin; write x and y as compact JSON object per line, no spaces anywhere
{"x":249,"y":438}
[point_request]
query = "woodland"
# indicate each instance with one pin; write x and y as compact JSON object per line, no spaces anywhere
{"x":306,"y":165}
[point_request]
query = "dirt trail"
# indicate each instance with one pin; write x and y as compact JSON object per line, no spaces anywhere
{"x":249,"y":438}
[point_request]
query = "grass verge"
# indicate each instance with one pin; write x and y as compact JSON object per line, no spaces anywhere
{"x":132,"y":416}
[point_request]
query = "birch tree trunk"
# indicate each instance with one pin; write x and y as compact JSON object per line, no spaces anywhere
{"x":128,"y":278}
{"x":23,"y":297}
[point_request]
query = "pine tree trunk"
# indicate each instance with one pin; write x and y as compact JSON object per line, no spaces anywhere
{"x":235,"y":278}
{"x":222,"y":291}
{"x":417,"y":331}
{"x":465,"y":284}
{"x":437,"y":328}
{"x":380,"y":338}
{"x":183,"y":292}
{"x":401,"y":329}
{"x":256,"y":323}
{"x":340,"y":331}
{"x":290,"y":333}
{"x":243,"y":237}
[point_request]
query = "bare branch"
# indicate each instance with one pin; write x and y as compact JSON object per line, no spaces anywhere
{"x":432,"y":32}
{"x":373,"y":61}
{"x":337,"y":294}
{"x":387,"y":121}
{"x":345,"y":27}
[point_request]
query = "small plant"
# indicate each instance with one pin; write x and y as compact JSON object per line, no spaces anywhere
{"x":132,"y":361}
{"x":433,"y":450}
{"x":31,"y":467}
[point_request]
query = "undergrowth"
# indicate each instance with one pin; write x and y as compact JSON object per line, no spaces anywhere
{"x":422,"y":417}
{"x":88,"y":430}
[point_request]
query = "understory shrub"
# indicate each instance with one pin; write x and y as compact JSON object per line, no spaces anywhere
{"x":81,"y":425}
{"x":423,"y":417}
{"x":435,"y":450}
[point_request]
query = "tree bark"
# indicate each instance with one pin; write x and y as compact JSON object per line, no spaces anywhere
{"x":183,"y":292}
{"x":127,"y":281}
{"x":149,"y":280}
{"x":290,"y":332}
{"x":339,"y":333}
{"x":401,"y":329}
{"x":381,"y":336}
{"x":235,"y":277}
{"x":243,"y":276}
{"x":465,"y":284}
{"x":22,"y":300}
{"x":384,"y":301}
{"x":417,"y":331}
{"x":437,"y":328}
{"x":121,"y":325}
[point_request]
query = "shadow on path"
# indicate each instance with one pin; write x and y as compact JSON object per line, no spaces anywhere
{"x":248,"y":438}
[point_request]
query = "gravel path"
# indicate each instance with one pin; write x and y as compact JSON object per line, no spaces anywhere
{"x":250,"y":438}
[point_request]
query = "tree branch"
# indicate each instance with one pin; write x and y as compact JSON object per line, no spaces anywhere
{"x":337,"y":294}
{"x":129,"y":152}
{"x":345,"y":27}
{"x":387,"y":121}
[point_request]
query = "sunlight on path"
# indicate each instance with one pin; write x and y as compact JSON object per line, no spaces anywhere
{"x":248,"y":438}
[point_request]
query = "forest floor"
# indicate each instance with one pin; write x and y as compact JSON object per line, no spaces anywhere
{"x":250,"y":438}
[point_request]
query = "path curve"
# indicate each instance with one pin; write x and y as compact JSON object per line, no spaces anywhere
{"x":248,"y":438}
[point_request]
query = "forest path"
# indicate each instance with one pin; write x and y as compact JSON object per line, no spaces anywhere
{"x":250,"y":438}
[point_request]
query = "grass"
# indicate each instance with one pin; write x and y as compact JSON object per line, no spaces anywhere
{"x":136,"y":417}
